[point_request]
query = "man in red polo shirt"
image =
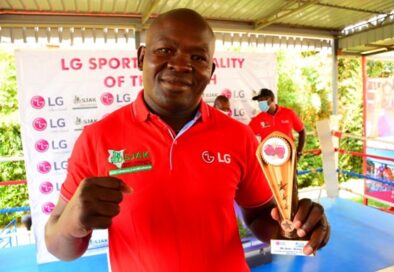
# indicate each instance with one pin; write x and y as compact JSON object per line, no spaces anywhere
{"x":162,"y":173}
{"x":276,"y":118}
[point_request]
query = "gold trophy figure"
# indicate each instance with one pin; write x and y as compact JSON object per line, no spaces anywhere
{"x":277,"y":157}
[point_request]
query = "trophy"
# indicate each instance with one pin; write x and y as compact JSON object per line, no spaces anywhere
{"x":277,"y":158}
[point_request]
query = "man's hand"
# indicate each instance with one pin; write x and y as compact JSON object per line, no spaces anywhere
{"x":310,"y":222}
{"x":94,"y":204}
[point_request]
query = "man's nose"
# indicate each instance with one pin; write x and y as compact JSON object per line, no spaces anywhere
{"x":180,"y":63}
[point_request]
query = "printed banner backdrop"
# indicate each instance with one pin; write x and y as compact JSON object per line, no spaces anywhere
{"x":380,"y":125}
{"x":61,"y":91}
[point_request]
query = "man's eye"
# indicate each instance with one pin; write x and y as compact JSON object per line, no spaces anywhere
{"x":199,"y":58}
{"x":164,"y":51}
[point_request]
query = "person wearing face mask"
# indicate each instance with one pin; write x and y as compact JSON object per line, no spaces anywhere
{"x":222,"y":103}
{"x":276,"y":118}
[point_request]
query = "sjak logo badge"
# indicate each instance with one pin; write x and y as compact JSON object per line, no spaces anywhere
{"x":116,"y":157}
{"x":129,"y":162}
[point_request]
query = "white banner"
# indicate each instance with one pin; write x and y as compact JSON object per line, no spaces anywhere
{"x":240,"y":76}
{"x":60,"y":91}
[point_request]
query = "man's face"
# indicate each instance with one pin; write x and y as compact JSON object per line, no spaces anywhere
{"x":177,"y":65}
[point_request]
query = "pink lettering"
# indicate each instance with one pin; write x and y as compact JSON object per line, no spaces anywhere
{"x":74,"y":64}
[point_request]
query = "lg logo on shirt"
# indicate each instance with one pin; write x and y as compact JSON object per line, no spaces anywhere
{"x":210,"y":157}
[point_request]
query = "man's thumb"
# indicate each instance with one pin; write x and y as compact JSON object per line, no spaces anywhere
{"x":124,"y":188}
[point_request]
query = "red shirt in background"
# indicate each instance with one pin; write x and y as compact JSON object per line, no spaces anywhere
{"x":284,"y":120}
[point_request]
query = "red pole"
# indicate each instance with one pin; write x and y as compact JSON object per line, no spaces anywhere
{"x":364,"y":79}
{"x":12,"y":182}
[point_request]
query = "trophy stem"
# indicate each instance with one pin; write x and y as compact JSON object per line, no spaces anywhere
{"x":294,"y":205}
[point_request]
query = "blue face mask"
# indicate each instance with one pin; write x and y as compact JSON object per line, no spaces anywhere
{"x":263,"y":106}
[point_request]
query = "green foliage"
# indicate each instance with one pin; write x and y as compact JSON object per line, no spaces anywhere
{"x":308,"y":162}
{"x":304,"y":84}
{"x":11,"y":144}
{"x":371,"y":203}
{"x":350,"y":108}
{"x":12,"y":196}
{"x":8,"y":89}
{"x":377,"y":68}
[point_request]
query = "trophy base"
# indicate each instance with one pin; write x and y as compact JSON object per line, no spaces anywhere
{"x":288,"y":247}
{"x":287,"y":230}
{"x":292,"y":235}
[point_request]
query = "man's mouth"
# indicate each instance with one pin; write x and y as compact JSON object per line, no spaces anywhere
{"x":176,"y":81}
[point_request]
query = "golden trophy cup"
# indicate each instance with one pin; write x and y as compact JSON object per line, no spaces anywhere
{"x":277,"y":158}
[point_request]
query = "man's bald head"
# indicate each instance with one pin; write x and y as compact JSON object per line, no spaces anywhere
{"x":222,"y":103}
{"x":187,"y":16}
{"x":177,"y":63}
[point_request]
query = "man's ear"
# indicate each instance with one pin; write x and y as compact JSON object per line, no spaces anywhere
{"x":141,"y":55}
{"x":213,"y":68}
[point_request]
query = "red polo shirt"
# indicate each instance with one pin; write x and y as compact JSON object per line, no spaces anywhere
{"x":180,"y":216}
{"x":284,"y":120}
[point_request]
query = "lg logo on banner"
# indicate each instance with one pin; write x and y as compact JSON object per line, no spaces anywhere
{"x":107,"y":98}
{"x":42,"y":145}
{"x":38,"y":102}
{"x":46,"y":187}
{"x":47,"y":207}
{"x":239,"y":112}
{"x":44,"y":167}
{"x":233,"y":94}
{"x":41,"y":124}
{"x":209,"y":157}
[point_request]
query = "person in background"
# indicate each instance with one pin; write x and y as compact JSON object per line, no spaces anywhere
{"x":276,"y":118}
{"x":380,"y":171}
{"x":387,"y":173}
{"x":222,"y":103}
{"x":160,"y":176}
